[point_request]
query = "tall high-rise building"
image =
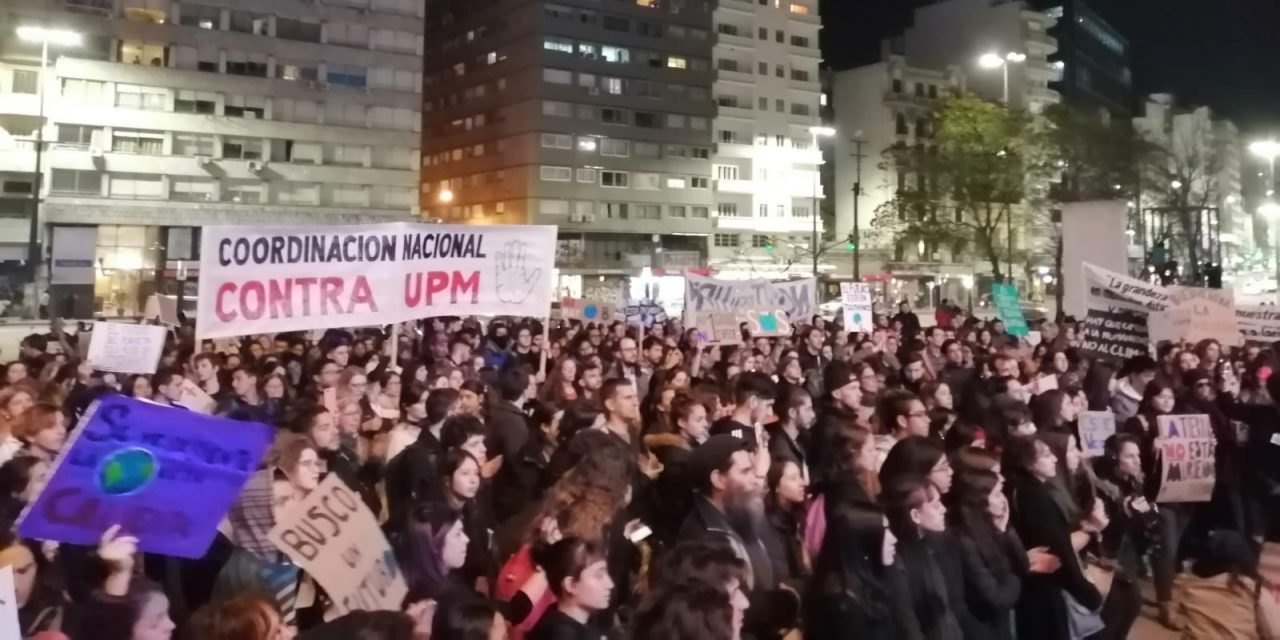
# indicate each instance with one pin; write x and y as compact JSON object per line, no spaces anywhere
{"x":638,"y":127}
{"x":158,"y":117}
{"x":1092,"y":60}
{"x":767,"y":189}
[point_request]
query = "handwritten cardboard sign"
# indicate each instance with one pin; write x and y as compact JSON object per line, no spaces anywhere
{"x":335,"y":538}
{"x":1187,"y":452}
{"x":166,"y":475}
{"x":856,"y":303}
{"x":719,"y":327}
{"x":126,"y":348}
{"x":1095,"y":428}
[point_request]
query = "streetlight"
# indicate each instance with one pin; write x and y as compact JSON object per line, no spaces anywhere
{"x":45,"y":36}
{"x":997,"y":61}
{"x":816,"y":132}
{"x":1176,"y":184}
{"x":446,"y":196}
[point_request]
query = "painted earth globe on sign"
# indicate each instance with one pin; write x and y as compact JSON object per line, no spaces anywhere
{"x":126,"y":471}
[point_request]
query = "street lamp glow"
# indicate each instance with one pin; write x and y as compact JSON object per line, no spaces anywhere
{"x":1269,"y":210}
{"x":990,"y":61}
{"x":61,"y":37}
{"x":1268,"y":150}
{"x":825,"y":132}
{"x":446,"y":196}
{"x":1014,"y":56}
{"x":1176,"y":184}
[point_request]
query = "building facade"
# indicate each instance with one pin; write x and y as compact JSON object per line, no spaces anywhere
{"x":1092,"y":59}
{"x":172,"y":115}
{"x":631,"y":125}
{"x":960,"y":32}
{"x":1202,"y":182}
{"x":881,"y":105}
{"x":766,"y":158}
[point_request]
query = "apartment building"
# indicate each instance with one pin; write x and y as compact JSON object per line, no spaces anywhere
{"x":878,"y":106}
{"x":166,"y":116}
{"x":632,"y":125}
{"x":767,"y":188}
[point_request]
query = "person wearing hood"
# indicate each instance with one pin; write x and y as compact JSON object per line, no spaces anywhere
{"x":1133,"y":378}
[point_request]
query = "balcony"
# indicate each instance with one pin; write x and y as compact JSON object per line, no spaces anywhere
{"x":739,"y":75}
{"x":735,"y":37}
{"x":729,"y":109}
{"x":738,"y":6}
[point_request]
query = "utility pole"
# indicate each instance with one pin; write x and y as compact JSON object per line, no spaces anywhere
{"x":857,"y":195}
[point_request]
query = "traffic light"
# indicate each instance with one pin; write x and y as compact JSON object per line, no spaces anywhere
{"x":768,"y":244}
{"x":850,"y":244}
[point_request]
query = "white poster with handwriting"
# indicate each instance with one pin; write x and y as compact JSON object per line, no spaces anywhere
{"x":126,"y":348}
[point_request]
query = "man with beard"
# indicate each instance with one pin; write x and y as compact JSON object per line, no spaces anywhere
{"x":728,"y":511}
{"x":629,"y":366}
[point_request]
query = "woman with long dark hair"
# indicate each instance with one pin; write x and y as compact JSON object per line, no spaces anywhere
{"x":1045,"y":607}
{"x":923,"y":600}
{"x":849,"y":589}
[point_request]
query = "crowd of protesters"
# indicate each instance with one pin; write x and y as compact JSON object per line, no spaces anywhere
{"x":617,"y":481}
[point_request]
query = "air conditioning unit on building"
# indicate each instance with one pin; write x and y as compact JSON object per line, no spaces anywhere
{"x":577,"y":217}
{"x":204,"y":161}
{"x":588,"y":217}
{"x":595,"y":91}
{"x":256,"y":166}
{"x":95,"y":152}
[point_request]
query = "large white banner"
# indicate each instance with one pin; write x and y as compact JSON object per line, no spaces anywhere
{"x":273,"y":279}
{"x":796,"y":297}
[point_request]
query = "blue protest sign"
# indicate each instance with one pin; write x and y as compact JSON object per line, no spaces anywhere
{"x":165,"y":475}
{"x":1005,"y":297}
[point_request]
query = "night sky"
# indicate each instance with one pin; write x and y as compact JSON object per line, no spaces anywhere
{"x":1220,"y":53}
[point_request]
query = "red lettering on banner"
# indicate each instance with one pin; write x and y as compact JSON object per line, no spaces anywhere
{"x":330,"y":289}
{"x":220,"y":310}
{"x":254,"y":299}
{"x":421,"y":289}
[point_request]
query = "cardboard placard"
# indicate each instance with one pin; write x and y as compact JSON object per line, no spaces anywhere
{"x":195,"y":398}
{"x":1043,"y":384}
{"x":166,"y":475}
{"x":334,"y":537}
{"x":586,"y":310}
{"x":767,"y":323}
{"x":1187,"y":458}
{"x":126,"y":348}
{"x":856,"y":303}
{"x":162,"y":308}
{"x":702,"y":293}
{"x":718,"y":327}
{"x":1095,"y":428}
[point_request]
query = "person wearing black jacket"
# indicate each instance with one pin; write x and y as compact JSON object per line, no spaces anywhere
{"x":849,"y":591}
{"x":1042,"y":610}
{"x":726,"y":512}
{"x":579,"y":577}
{"x":844,"y":396}
{"x":319,"y":425}
{"x":411,"y":474}
{"x":789,"y":436}
{"x":922,"y":592}
{"x":991,"y":555}
{"x":508,"y":434}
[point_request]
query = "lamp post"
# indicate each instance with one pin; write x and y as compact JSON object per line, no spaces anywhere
{"x":1002,"y":62}
{"x":816,"y":132}
{"x":857,"y":195}
{"x":1268,"y":150}
{"x":44,"y":36}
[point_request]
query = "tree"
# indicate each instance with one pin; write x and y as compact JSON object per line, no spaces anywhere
{"x":969,"y":181}
{"x":1093,"y":157}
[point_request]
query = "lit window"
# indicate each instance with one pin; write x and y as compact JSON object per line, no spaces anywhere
{"x":799,"y":9}
{"x":677,"y":62}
